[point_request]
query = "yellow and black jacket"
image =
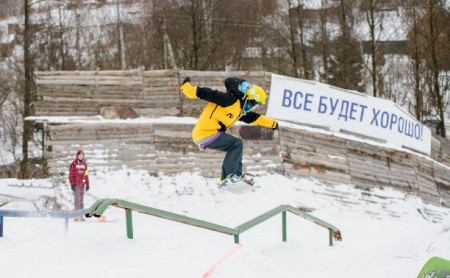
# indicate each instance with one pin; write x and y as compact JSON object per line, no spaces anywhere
{"x":222,"y":111}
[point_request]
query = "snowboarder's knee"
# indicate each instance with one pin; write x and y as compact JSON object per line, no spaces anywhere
{"x":238,"y":143}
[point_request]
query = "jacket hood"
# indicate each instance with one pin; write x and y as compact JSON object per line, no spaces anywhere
{"x":78,"y":152}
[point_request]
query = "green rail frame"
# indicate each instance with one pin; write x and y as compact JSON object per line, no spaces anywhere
{"x":99,"y":207}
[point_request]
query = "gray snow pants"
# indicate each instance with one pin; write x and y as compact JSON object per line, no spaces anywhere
{"x":79,"y":197}
{"x":232,"y":163}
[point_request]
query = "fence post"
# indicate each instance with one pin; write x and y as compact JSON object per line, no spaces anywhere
{"x":129,"y":219}
{"x":236,"y":239}
{"x":1,"y":225}
{"x":283,"y":215}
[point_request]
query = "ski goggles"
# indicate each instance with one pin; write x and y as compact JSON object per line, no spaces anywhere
{"x":253,"y":102}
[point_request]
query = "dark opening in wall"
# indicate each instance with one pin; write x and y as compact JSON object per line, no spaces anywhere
{"x":255,"y":133}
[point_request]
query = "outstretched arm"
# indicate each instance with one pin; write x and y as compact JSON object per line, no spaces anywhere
{"x":258,"y":119}
{"x":215,"y":96}
{"x":207,"y":94}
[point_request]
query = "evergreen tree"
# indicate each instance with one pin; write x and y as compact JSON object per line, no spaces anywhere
{"x":345,"y":64}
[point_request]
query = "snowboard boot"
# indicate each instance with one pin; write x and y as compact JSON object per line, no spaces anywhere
{"x":248,"y":180}
{"x":230,"y":180}
{"x":234,"y":179}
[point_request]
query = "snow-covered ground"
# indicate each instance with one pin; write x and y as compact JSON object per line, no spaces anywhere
{"x":384,"y":235}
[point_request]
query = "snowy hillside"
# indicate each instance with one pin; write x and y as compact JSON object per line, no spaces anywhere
{"x":384,"y":233}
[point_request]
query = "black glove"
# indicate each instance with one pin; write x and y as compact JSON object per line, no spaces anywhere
{"x":72,"y":187}
{"x":276,"y":126}
{"x":186,"y":80}
{"x":87,"y":187}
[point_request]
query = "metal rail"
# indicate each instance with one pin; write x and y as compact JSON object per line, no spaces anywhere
{"x":99,"y":207}
{"x":42,"y":214}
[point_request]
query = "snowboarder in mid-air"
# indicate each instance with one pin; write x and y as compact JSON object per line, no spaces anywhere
{"x":222,"y":111}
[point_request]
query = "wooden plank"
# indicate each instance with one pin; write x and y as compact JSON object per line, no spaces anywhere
{"x":88,"y":73}
{"x":91,"y":94}
{"x":89,"y":82}
{"x":88,"y":78}
{"x":67,"y":88}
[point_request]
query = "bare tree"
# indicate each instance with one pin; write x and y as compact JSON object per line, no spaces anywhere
{"x":120,"y":39}
{"x":322,"y":40}
{"x":292,"y":27}
{"x":62,"y":52}
{"x":208,"y":34}
{"x":10,"y":128}
{"x":345,"y":64}
{"x":10,"y":8}
{"x":197,"y":33}
{"x":428,"y":42}
{"x":374,"y":18}
{"x":438,"y":22}
{"x":294,"y":39}
{"x":306,"y":61}
{"x":412,"y":15}
{"x":27,"y":90}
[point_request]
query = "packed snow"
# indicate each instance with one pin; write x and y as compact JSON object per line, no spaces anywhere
{"x":385,"y":232}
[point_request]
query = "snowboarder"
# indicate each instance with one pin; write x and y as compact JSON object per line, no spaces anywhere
{"x":79,"y":180}
{"x":222,"y":111}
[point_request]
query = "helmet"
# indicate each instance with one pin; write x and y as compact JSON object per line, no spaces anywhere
{"x":256,"y":93}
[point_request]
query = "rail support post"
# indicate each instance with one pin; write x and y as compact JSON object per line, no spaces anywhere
{"x":129,"y":219}
{"x":331,"y":236}
{"x":66,"y":226}
{"x":236,"y":239}
{"x":1,"y":226}
{"x":283,"y":216}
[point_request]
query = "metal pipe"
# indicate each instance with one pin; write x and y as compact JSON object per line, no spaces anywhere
{"x":129,"y":219}
{"x":1,"y":226}
{"x":330,"y":231}
{"x":66,"y":226}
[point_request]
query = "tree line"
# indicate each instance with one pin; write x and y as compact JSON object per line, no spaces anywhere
{"x":317,"y":40}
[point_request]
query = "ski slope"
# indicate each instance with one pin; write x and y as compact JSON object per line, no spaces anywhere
{"x":384,"y":235}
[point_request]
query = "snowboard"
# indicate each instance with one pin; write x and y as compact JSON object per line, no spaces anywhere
{"x":237,"y":187}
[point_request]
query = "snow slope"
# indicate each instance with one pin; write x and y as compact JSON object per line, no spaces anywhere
{"x":384,"y":235}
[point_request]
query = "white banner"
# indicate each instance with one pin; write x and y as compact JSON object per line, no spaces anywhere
{"x":317,"y":104}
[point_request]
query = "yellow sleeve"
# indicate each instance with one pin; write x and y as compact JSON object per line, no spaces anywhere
{"x":189,"y":90}
{"x":265,"y":121}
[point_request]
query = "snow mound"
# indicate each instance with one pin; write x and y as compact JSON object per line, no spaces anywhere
{"x":384,"y":235}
